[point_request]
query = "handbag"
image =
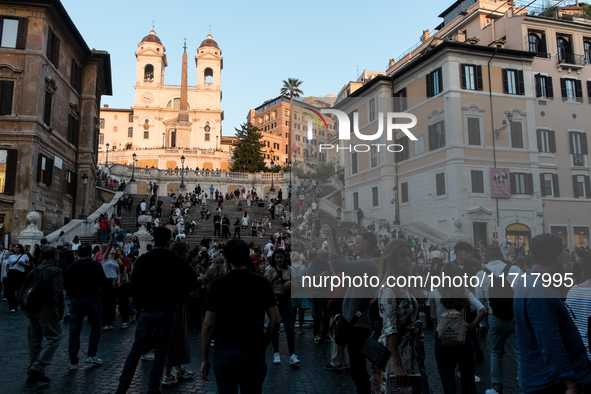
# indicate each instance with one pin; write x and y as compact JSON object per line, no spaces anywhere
{"x":342,"y":328}
{"x":373,"y":350}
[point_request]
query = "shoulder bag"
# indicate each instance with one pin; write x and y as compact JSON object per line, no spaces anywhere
{"x":342,"y":328}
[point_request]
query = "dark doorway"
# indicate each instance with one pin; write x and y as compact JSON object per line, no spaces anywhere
{"x":480,"y":233}
{"x":173,"y":139}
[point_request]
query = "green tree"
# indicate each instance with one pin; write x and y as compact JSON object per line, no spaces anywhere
{"x":247,"y":149}
{"x":291,"y":88}
{"x":324,"y":171}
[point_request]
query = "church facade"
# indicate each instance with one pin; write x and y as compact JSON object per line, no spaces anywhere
{"x":169,"y":121}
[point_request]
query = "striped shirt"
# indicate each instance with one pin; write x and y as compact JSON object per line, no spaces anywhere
{"x":578,"y":301}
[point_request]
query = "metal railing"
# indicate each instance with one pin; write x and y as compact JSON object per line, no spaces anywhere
{"x":571,"y":58}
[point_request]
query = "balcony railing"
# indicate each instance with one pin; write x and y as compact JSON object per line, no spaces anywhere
{"x":578,"y":160}
{"x":571,"y":59}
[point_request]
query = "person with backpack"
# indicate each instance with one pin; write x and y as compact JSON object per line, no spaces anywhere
{"x":552,"y":355}
{"x":83,"y":280}
{"x":16,"y":267}
{"x":498,"y":295}
{"x":42,"y":300}
{"x":449,"y":305}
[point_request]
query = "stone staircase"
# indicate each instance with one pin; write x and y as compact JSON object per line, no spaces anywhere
{"x":228,"y":208}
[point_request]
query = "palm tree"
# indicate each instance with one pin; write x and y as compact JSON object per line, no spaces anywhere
{"x":291,"y":87}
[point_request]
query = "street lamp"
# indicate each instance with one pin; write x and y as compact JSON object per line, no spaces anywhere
{"x":272,"y":185}
{"x":85,"y":182}
{"x":162,"y":140}
{"x":289,"y":169}
{"x":182,"y":172}
{"x":496,"y":134}
{"x":216,"y":142}
{"x":395,"y":201}
{"x":133,"y":168}
{"x":107,"y":158}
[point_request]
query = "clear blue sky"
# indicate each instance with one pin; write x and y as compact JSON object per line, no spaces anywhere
{"x":262,"y":42}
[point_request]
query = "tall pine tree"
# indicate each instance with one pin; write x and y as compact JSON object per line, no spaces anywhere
{"x":247,"y":149}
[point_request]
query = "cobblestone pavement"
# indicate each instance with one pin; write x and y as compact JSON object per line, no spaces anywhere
{"x":310,"y":377}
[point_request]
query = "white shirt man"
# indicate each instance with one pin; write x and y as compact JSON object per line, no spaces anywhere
{"x":314,"y":206}
{"x":177,"y":212}
{"x":143,"y":206}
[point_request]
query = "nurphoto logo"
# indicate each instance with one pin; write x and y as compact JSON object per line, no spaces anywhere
{"x":345,"y":129}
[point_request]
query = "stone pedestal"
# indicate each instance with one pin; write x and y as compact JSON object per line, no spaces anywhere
{"x":131,"y":188}
{"x":142,"y":234}
{"x":31,"y":235}
{"x":183,"y":191}
{"x":272,"y":195}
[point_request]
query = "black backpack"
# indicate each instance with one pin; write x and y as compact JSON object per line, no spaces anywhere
{"x":500,"y":294}
{"x":31,"y":294}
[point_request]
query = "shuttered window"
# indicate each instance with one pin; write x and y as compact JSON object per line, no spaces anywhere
{"x":404,"y":191}
{"x":6,"y":93}
{"x":546,"y":141}
{"x":47,"y":108}
{"x":13,"y":32}
{"x":8,"y":163}
{"x":516,"y":135}
{"x":436,"y":136}
{"x":471,"y":76}
{"x":522,"y":183}
{"x":477,"y":181}
{"x":44,"y":170}
{"x":513,"y":82}
{"x":440,"y":183}
{"x":473,"y":131}
{"x":53,"y":48}
{"x":434,"y":83}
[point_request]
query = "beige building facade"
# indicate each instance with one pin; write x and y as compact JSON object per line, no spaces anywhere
{"x":167,"y":118}
{"x":272,"y":119}
{"x":536,"y":101}
{"x":51,"y":85}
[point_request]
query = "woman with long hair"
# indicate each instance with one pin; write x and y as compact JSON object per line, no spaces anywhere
{"x":16,"y":266}
{"x":179,"y":349}
{"x":401,"y":328}
{"x":280,"y":274}
{"x":447,"y":297}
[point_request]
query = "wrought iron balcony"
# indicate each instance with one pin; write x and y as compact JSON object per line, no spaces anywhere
{"x":571,"y":60}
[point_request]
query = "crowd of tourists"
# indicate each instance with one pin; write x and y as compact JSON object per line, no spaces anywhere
{"x":174,"y":288}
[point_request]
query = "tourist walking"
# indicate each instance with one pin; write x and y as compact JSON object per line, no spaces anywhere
{"x":239,"y":358}
{"x":158,"y":280}
{"x":45,"y":319}
{"x":83,"y":280}
{"x":280,"y":274}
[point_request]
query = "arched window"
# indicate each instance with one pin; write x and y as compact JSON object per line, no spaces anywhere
{"x":587,"y":46}
{"x":535,"y":43}
{"x":128,"y":146}
{"x":208,"y":73}
{"x":564,"y":53}
{"x":149,"y":73}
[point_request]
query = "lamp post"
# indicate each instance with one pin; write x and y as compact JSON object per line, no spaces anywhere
{"x":133,"y":168}
{"x":182,"y":172}
{"x":162,"y":140}
{"x":107,"y":158}
{"x":289,"y":168}
{"x":216,"y":141}
{"x":496,"y":135}
{"x":395,"y":202}
{"x":85,"y":182}
{"x":272,"y":185}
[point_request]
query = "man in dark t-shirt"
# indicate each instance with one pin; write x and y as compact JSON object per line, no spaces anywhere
{"x":239,"y":358}
{"x":83,"y":280}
